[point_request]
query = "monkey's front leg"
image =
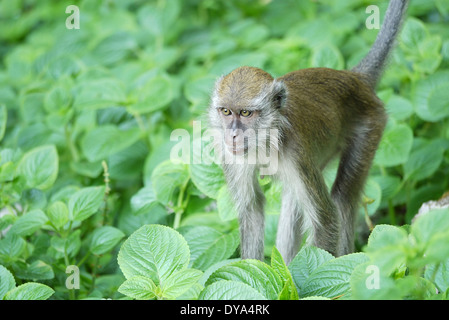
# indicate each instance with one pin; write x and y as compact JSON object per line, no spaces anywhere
{"x":249,"y":201}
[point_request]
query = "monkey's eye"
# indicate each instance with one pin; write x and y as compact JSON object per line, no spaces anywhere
{"x":226,"y":112}
{"x":245,"y":113}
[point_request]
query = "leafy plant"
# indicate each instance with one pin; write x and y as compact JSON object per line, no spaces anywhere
{"x":86,"y":178}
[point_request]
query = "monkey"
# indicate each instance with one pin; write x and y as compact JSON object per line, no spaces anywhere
{"x":319,"y":114}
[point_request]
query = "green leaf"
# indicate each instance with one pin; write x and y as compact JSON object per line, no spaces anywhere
{"x":29,"y":223}
{"x":305,"y":262}
{"x":331,"y":279}
{"x":104,"y":239}
{"x":387,"y":247}
{"x":289,"y":291}
{"x":431,"y":97}
{"x":154,"y":95}
{"x":423,"y":162}
{"x":98,"y":93}
{"x":225,"y":205}
{"x":368,"y":283}
{"x":138,"y":287}
{"x":57,"y":99}
{"x":85,"y":203}
{"x":101,"y":142}
{"x":39,"y":167}
{"x":230,"y":290}
{"x":208,"y":178}
{"x":38,"y":270}
{"x":7,"y":281}
{"x":179,"y":282}
{"x":3,"y":119}
{"x":327,"y":56}
{"x":399,"y":107}
{"x":437,"y":273}
{"x":432,"y":232}
{"x":30,"y":291}
{"x":58,"y":214}
{"x":144,"y":200}
{"x":395,"y":145}
{"x":209,"y":246}
{"x":60,"y":247}
{"x":153,"y":251}
{"x":167,"y":177}
{"x":254,"y":273}
{"x":11,"y":247}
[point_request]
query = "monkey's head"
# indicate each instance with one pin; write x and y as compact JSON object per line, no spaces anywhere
{"x":244,"y":102}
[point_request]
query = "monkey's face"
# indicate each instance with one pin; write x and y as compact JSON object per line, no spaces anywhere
{"x":245,"y":104}
{"x":238,"y":125}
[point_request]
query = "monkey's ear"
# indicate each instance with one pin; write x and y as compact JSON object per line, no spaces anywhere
{"x":279,"y":94}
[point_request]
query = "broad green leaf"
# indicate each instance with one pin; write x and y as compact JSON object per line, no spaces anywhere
{"x":29,"y":223}
{"x":58,"y":214}
{"x":30,"y":291}
{"x":153,"y":251}
{"x":167,"y":177}
{"x":85,"y":203}
{"x":225,"y":205}
{"x":230,"y":290}
{"x":57,"y":99}
{"x":368,"y":283}
{"x":254,"y":273}
{"x":430,"y":225}
{"x":209,"y":246}
{"x":423,"y":162}
{"x":154,"y":95}
{"x":179,"y":282}
{"x":7,"y":281}
{"x":38,"y":270}
{"x":399,"y":107}
{"x":138,"y":287}
{"x":437,"y":273}
{"x":98,"y":93}
{"x":305,"y":262}
{"x":144,"y":200}
{"x":39,"y":167}
{"x":431,"y":231}
{"x":3,"y":119}
{"x":104,"y":239}
{"x":387,"y":247}
{"x":431,"y":97}
{"x":60,"y":247}
{"x":327,"y":56}
{"x":289,"y":291}
{"x":208,"y":178}
{"x":101,"y":142}
{"x":331,"y":279}
{"x":11,"y":247}
{"x":198,"y":90}
{"x":395,"y":145}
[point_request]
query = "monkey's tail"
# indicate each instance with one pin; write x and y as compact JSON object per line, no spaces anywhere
{"x":374,"y":62}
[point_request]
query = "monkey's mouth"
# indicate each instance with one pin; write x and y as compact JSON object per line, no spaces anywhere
{"x":237,"y":150}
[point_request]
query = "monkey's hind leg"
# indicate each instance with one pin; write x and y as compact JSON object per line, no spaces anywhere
{"x":289,"y":235}
{"x":352,"y":172}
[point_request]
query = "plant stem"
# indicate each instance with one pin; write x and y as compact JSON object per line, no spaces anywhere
{"x":179,"y":210}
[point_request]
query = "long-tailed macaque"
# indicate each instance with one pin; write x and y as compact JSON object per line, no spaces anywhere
{"x":318,"y":114}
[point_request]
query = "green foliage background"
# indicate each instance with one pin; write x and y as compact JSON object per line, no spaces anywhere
{"x":85,"y":122}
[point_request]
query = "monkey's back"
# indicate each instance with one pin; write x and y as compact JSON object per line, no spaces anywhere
{"x":327,"y":104}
